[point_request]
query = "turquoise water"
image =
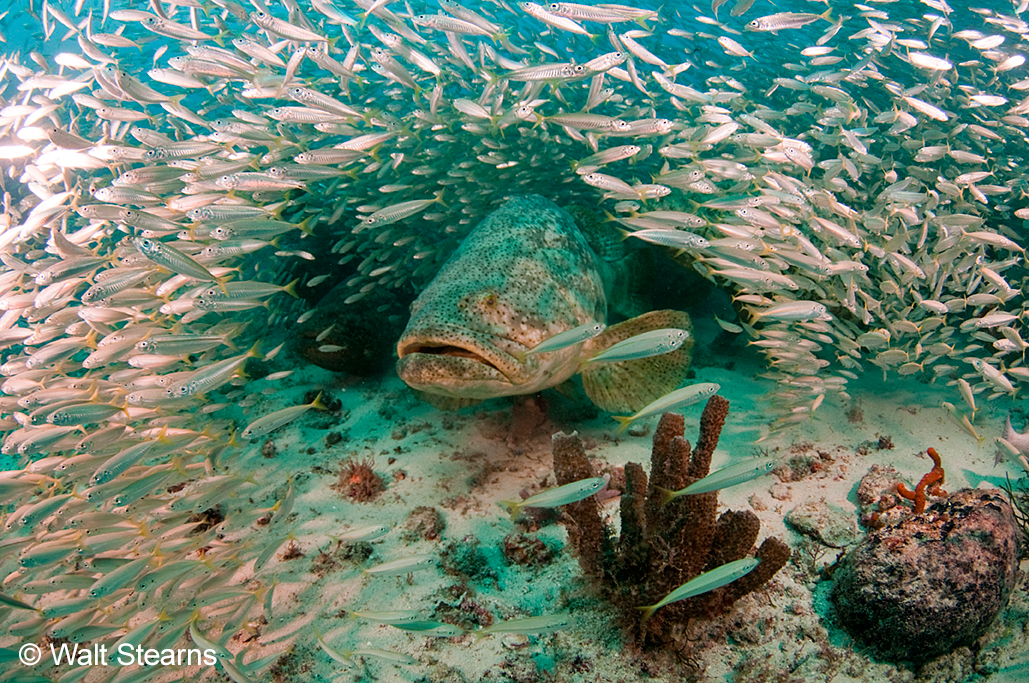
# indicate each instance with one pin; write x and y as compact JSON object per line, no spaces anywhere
{"x":858,"y":179}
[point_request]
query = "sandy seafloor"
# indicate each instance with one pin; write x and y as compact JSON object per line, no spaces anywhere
{"x":462,"y":463}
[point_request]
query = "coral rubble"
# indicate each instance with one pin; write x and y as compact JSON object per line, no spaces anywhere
{"x":661,"y":547}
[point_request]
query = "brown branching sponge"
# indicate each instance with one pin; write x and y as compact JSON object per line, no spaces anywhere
{"x":662,"y":547}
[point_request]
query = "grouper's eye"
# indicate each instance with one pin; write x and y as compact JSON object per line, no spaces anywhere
{"x":490,"y":300}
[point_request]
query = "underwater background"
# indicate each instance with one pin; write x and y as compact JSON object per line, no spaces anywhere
{"x":216,"y":217}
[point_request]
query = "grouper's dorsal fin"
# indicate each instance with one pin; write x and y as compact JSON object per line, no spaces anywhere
{"x":630,"y":385}
{"x":604,"y":238}
{"x":446,"y":402}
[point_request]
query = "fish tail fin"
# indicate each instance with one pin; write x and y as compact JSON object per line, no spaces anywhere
{"x":221,"y":282}
{"x":648,"y":611}
{"x":207,"y":431}
{"x":255,"y":350}
{"x":178,"y":465}
{"x":227,"y":340}
{"x":667,"y":495}
{"x":623,"y":233}
{"x":753,"y":313}
{"x":276,"y":213}
{"x":630,"y":385}
{"x":317,"y":402}
{"x":162,"y":436}
{"x":500,"y":36}
{"x":511,"y":507}
{"x":623,"y":422}
{"x":374,"y":151}
{"x":291,"y":289}
{"x":305,"y":226}
{"x":438,"y":197}
{"x":827,"y":15}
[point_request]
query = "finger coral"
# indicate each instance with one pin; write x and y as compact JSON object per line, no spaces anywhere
{"x":660,"y":547}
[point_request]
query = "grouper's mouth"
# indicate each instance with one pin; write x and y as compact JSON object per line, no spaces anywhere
{"x":442,"y":349}
{"x":458,"y":362}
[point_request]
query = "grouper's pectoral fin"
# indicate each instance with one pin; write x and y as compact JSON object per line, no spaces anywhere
{"x":446,"y":402}
{"x":630,"y":385}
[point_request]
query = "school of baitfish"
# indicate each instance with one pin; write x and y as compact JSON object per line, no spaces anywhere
{"x":854,"y":174}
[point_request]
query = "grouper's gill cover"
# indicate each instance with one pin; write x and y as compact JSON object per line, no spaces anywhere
{"x":523,"y":275}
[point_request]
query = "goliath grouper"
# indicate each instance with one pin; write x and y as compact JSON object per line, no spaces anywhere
{"x":523,"y":275}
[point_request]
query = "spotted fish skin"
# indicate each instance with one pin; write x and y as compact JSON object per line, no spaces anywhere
{"x":524,"y":274}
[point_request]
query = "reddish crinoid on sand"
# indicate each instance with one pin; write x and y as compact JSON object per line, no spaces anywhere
{"x":358,"y":480}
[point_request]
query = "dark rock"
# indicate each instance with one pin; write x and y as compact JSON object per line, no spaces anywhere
{"x":933,"y":582}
